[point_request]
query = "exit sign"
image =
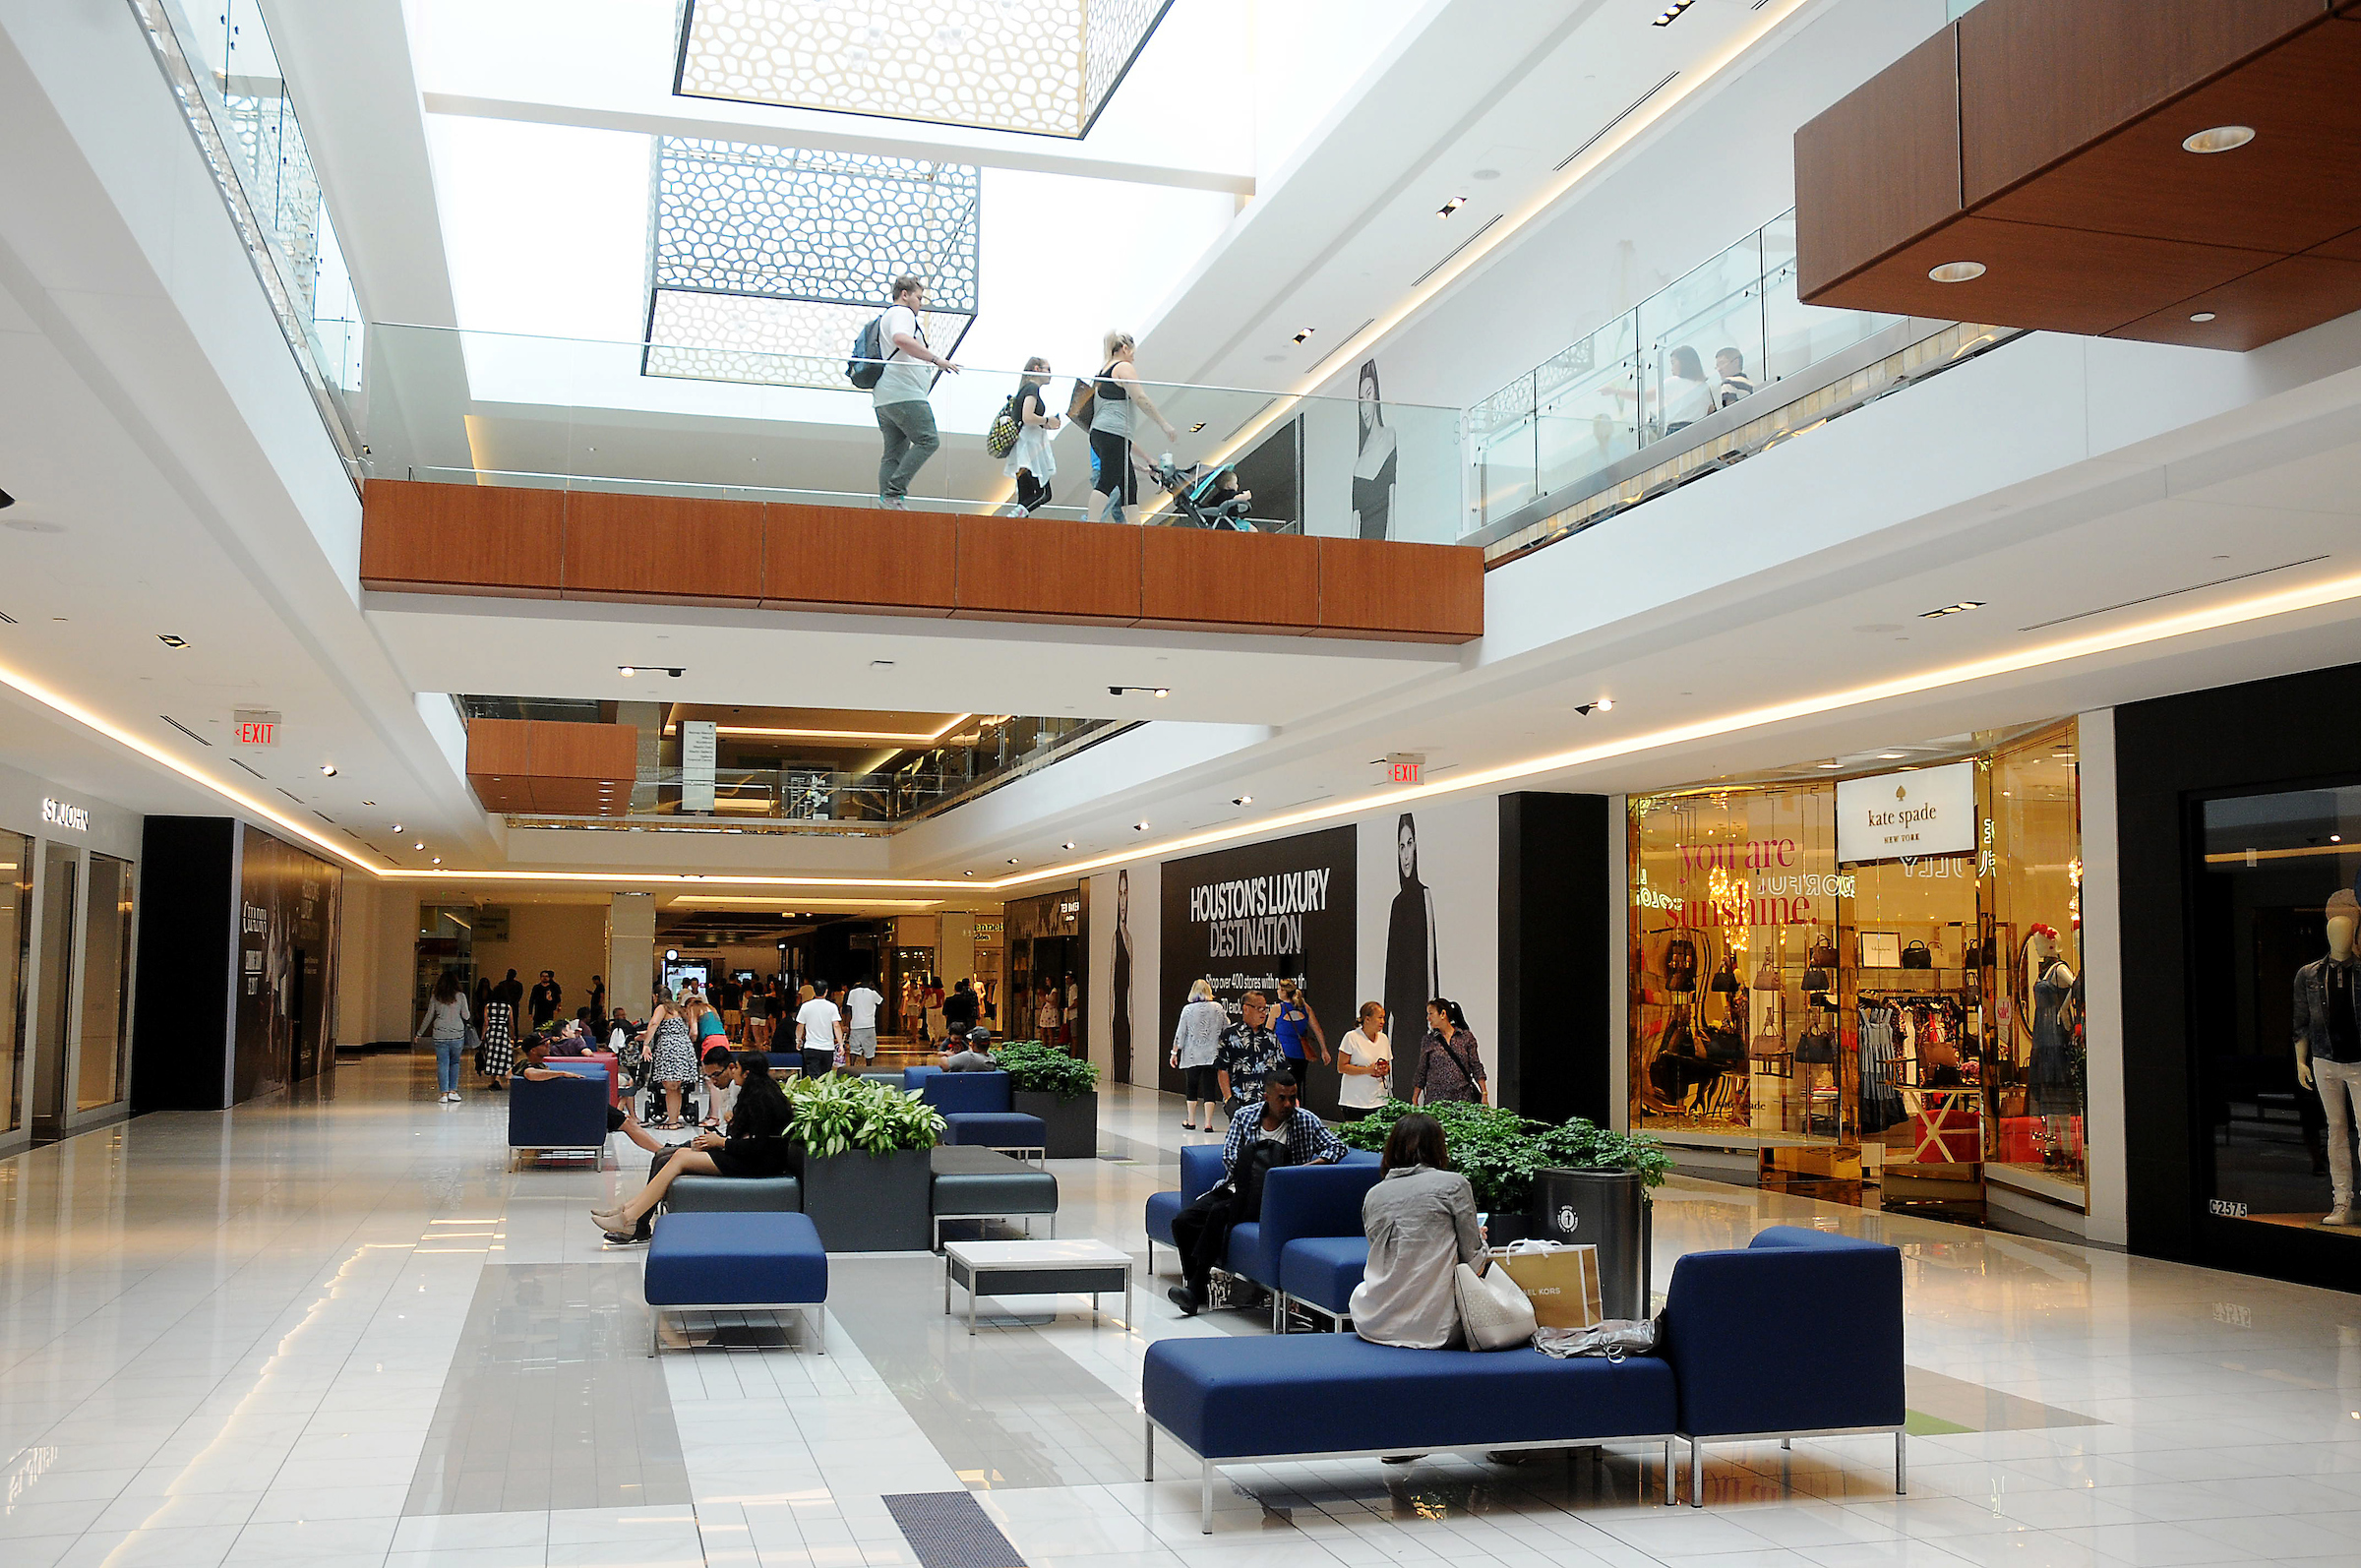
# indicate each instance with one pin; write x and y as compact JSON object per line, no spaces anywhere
{"x":1406,"y":767}
{"x":254,"y":727}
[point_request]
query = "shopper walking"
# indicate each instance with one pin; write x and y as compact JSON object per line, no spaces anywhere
{"x":1030,"y":463}
{"x":546,"y":997}
{"x":1196,"y":1044}
{"x":1293,"y":1022}
{"x":1451,"y":1066}
{"x":818,"y":1033}
{"x":1114,"y":396}
{"x":899,"y":399}
{"x":861,"y":1005}
{"x":1365,"y":1061}
{"x":447,"y":1020}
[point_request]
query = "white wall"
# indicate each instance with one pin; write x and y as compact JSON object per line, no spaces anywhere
{"x":570,"y":938}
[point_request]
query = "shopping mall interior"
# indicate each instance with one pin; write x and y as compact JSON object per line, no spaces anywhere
{"x":1180,"y":783}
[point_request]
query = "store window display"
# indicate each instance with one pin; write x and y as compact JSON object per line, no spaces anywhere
{"x":2275,"y":1021}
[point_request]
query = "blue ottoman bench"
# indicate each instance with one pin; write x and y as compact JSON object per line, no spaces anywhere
{"x":978,"y":1112}
{"x":736,"y":1262}
{"x":1233,"y":1401}
{"x":1320,"y":1272}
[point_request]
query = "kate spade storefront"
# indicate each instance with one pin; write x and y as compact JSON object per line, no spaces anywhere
{"x":1864,"y":984}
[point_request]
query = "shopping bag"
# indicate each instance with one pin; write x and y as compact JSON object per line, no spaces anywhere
{"x":1560,"y":1280}
{"x":1494,"y":1313}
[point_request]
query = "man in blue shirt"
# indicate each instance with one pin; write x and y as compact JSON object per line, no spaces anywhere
{"x":1201,"y":1231}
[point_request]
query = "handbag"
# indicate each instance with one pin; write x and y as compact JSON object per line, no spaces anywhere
{"x":1677,"y":1041}
{"x":1818,"y":1046}
{"x":1767,"y":977}
{"x":1725,"y":977}
{"x":1915,"y":956}
{"x":1725,"y":1046}
{"x":476,"y":1047}
{"x":1079,"y":406}
{"x":1680,"y":964}
{"x":1494,"y":1312}
{"x":1823,"y":954}
{"x":1815,"y":979}
{"x":1769,"y":1043}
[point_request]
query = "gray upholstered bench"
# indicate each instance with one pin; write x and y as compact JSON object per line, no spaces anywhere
{"x":978,"y":1183}
{"x":714,"y":1194}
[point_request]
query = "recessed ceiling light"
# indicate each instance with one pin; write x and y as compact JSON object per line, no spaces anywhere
{"x":421,"y":845}
{"x":1957,"y":272}
{"x":1671,"y":13}
{"x":1140,"y":827}
{"x":437,"y":860}
{"x":328,"y":769}
{"x":1068,"y":844}
{"x":1451,"y":207}
{"x":368,"y":803}
{"x":1241,"y":800}
{"x":1012,"y":860}
{"x":625,"y":671}
{"x":2218,"y":138}
{"x":396,"y":827}
{"x":1961,"y":608}
{"x":171,"y":641}
{"x":2202,"y":315}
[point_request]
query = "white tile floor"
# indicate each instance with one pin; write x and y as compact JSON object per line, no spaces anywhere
{"x":223,"y":1340}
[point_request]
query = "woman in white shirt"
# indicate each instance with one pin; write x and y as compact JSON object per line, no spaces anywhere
{"x":1687,"y":396}
{"x":1366,"y":1059}
{"x":1197,"y":1042}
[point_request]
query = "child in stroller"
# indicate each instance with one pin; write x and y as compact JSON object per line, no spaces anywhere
{"x":1204,"y":497}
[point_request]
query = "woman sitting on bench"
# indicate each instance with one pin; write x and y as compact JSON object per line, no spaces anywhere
{"x":756,"y":1145}
{"x":1420,"y":1219}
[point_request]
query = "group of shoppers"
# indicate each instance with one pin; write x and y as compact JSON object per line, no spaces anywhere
{"x":1111,"y":406}
{"x":487,"y":1023}
{"x":1227,"y":1064}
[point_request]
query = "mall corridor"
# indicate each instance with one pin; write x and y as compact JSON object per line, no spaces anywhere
{"x":335,"y":1329}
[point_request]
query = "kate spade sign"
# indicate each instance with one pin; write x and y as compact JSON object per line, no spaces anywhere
{"x":1893,"y":816}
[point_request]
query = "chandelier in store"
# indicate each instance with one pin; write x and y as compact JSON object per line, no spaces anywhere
{"x":765,"y":263}
{"x":1046,"y":67}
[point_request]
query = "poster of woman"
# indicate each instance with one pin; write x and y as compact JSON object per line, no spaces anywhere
{"x":1118,"y":1033}
{"x":1374,"y":473}
{"x":1413,"y":975}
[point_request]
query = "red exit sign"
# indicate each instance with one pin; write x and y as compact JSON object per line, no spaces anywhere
{"x":1406,"y":767}
{"x":254,"y":727}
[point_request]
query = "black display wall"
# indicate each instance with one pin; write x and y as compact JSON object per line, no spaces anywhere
{"x":1556,"y":1027}
{"x":1247,"y":918}
{"x":2171,"y":754}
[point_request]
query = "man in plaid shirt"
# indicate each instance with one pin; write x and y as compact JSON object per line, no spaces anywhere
{"x":1201,"y":1231}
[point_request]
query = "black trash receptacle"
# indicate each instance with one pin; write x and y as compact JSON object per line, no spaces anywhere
{"x":1605,"y":1209}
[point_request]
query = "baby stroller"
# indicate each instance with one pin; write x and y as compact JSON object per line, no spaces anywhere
{"x":1192,"y":487}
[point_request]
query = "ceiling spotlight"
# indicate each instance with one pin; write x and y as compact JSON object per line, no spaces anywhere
{"x":1600,"y":706}
{"x":1012,"y":860}
{"x":1671,"y":13}
{"x":675,"y":674}
{"x":437,"y":860}
{"x":1451,"y":207}
{"x":329,"y":769}
{"x":6,"y":500}
{"x":1961,"y":608}
{"x":625,"y":671}
{"x":1305,"y":332}
{"x":396,"y":827}
{"x":1957,"y":272}
{"x":1140,"y":827}
{"x":368,"y":803}
{"x":2202,"y":315}
{"x":1068,"y":844}
{"x":1199,"y":424}
{"x":1241,"y":800}
{"x":2219,"y":139}
{"x":419,"y":845}
{"x":171,"y":641}
{"x":967,"y":873}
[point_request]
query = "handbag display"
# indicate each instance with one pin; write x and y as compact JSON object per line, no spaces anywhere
{"x":1917,"y":955}
{"x":1769,"y":1043}
{"x":1767,"y":977}
{"x":1815,"y":979}
{"x":1680,"y":964}
{"x":1823,"y":954}
{"x":1494,"y":1312}
{"x":1818,"y":1046}
{"x":1725,"y":977}
{"x":1725,"y":1047}
{"x":1677,"y":1041}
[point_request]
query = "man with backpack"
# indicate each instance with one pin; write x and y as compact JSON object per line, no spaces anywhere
{"x":897,"y":367}
{"x":1284,"y":1134}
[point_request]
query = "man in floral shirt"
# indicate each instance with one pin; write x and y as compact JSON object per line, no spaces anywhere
{"x":1249,"y":1054}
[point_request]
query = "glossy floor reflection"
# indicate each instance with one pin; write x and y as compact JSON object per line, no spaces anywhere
{"x":340,"y":1331}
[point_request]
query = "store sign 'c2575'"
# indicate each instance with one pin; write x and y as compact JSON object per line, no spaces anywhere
{"x":1889,"y":816}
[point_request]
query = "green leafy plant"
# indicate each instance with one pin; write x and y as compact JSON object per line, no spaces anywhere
{"x":1498,"y":1150}
{"x":840,"y":1111}
{"x":1037,"y":1069}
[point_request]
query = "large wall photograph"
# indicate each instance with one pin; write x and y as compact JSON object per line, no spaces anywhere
{"x":286,"y":964}
{"x":1245,"y":919}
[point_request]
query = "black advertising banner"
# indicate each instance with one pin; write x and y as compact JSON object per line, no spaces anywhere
{"x":1247,"y":917}
{"x":286,"y":963}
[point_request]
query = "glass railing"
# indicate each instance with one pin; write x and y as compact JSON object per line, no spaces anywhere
{"x":926,"y":783}
{"x":1707,"y":341}
{"x":506,"y":410}
{"x":219,"y":59}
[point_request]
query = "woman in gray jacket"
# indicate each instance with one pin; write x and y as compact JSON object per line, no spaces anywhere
{"x":1421,"y":1220}
{"x":1197,"y":1042}
{"x":447,"y":1020}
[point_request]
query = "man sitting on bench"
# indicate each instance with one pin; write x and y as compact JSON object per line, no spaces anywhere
{"x":1284,"y":1134}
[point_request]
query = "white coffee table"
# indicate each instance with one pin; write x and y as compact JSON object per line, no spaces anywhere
{"x":1035,"y":1268}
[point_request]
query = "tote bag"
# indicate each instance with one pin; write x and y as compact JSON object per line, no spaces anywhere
{"x":1494,"y":1312}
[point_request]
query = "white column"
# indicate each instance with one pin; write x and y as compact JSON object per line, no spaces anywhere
{"x":631,"y":951}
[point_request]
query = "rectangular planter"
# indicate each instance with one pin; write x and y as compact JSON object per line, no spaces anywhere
{"x":870,"y":1202}
{"x":1070,"y":1127}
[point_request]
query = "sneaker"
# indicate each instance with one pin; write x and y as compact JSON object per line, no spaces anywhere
{"x":893,"y":504}
{"x":1186,"y":1299}
{"x":2342,"y":1214}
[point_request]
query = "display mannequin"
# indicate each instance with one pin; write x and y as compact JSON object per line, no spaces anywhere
{"x":2328,"y":1045}
{"x":2048,"y":1073}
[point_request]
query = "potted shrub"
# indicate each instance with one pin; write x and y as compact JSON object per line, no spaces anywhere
{"x":1061,"y":1089}
{"x":863,"y":1153}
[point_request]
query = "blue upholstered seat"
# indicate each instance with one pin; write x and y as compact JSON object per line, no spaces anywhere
{"x":963,"y":1092}
{"x":1231,"y":1398}
{"x":916,"y":1078}
{"x":1162,"y":1207}
{"x":736,"y":1259}
{"x":994,"y":1130}
{"x":566,"y":1112}
{"x":1299,"y":1200}
{"x":1322,"y":1270}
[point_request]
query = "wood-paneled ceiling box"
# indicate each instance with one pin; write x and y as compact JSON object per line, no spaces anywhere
{"x":558,"y":768}
{"x":2180,"y":171}
{"x":418,"y":537}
